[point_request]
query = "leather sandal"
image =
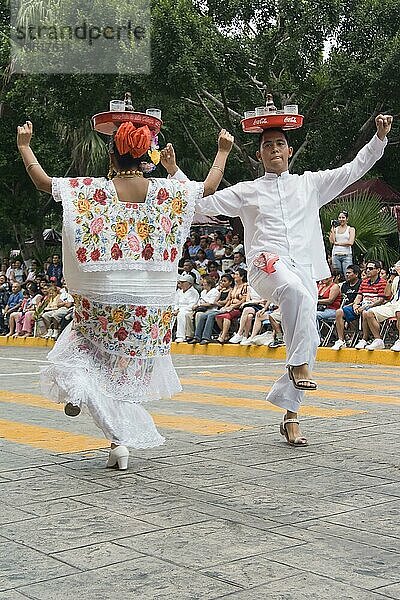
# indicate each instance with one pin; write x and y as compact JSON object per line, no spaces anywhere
{"x":305,"y":385}
{"x":298,"y":441}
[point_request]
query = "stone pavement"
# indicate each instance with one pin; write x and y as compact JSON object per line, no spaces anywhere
{"x":224,"y":510}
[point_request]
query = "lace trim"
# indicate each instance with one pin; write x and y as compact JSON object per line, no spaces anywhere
{"x":114,"y":298}
{"x":121,"y":264}
{"x":78,"y":372}
{"x":56,"y":189}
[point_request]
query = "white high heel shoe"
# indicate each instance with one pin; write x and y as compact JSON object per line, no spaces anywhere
{"x":118,"y":458}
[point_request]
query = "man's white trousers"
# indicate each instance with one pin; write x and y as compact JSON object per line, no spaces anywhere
{"x":293,"y":289}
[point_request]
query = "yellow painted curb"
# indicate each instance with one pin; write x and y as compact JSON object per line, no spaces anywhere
{"x":345,"y":355}
{"x":30,"y":342}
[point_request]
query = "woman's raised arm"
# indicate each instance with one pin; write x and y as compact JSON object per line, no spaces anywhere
{"x":38,"y":175}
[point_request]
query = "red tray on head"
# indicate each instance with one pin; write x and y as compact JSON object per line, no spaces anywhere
{"x":258,"y":124}
{"x":108,"y":122}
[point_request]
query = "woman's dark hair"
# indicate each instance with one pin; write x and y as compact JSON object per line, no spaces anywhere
{"x":227,"y":276}
{"x":201,"y":251}
{"x":32,"y":287}
{"x":124,"y":161}
{"x":243,"y":274}
{"x":213,"y":264}
{"x":196,"y":237}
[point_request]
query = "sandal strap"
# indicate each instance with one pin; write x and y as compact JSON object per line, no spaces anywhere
{"x":290,"y":421}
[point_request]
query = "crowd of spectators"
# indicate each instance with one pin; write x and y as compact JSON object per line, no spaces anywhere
{"x":358,"y":305}
{"x":34,"y":300}
{"x":215,"y":303}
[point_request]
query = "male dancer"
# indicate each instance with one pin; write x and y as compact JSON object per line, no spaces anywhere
{"x":284,"y":247}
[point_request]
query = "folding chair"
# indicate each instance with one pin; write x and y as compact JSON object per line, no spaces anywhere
{"x":389,"y":326}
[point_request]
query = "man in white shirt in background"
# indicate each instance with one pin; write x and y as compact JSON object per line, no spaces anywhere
{"x":284,"y":247}
{"x":186,"y":297}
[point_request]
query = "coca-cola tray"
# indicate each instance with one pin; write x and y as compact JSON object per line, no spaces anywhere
{"x":108,"y":122}
{"x":258,"y":124}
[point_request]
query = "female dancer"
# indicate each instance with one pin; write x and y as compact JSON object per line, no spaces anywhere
{"x":122,"y":239}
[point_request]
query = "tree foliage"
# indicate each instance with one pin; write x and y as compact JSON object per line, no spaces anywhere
{"x":211,"y":61}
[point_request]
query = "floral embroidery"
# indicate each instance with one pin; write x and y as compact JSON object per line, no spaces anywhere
{"x":125,"y":329}
{"x":107,"y":230}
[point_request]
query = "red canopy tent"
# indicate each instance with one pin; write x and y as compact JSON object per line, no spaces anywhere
{"x":376,"y":186}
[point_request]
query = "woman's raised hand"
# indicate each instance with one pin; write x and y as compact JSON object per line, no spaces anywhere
{"x":225,"y":141}
{"x":168,"y":159}
{"x":24,"y":134}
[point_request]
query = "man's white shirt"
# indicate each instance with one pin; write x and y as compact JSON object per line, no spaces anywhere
{"x":280,"y":214}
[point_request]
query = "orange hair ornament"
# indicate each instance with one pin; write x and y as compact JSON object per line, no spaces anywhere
{"x":135,"y":140}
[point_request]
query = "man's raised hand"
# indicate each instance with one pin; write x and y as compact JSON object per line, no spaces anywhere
{"x":383,"y":125}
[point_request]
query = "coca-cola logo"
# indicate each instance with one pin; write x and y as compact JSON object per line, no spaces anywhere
{"x":263,"y":121}
{"x":290,"y":120}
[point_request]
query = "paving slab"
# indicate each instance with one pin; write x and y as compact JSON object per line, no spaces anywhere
{"x":206,"y":517}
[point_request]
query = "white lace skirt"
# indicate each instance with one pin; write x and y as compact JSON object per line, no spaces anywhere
{"x":111,"y":388}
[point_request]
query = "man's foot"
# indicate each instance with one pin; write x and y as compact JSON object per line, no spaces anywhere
{"x":301,"y":377}
{"x":290,"y":429}
{"x":396,"y":346}
{"x":179,"y":340}
{"x":377,"y":344}
{"x":193,"y":341}
{"x":339,"y":344}
{"x":361,"y":345}
{"x":204,"y":341}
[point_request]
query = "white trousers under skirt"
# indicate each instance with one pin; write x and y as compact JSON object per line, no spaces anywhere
{"x":293,"y":289}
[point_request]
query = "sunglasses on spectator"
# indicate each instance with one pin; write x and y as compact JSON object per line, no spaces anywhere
{"x":370,"y":268}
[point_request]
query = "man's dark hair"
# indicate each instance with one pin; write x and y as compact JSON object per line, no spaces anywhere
{"x":377,"y":263}
{"x":356,"y":269}
{"x":285,"y":135}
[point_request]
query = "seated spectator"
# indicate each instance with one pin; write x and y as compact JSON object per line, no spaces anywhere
{"x":189,"y":268}
{"x":13,"y":303}
{"x":17,"y":273}
{"x":54,"y":306}
{"x":383,"y":273}
{"x":238,"y":262}
{"x":201,"y":262}
{"x":219,"y":248}
{"x":32,"y":271}
{"x":350,"y":287}
{"x":214,"y":270}
{"x":249,"y":308}
{"x":186,"y":297}
{"x":194,"y":245}
{"x":237,"y":244}
{"x":23,"y":320}
{"x":374,"y":317}
{"x":261,"y":318}
{"x":275,"y":319}
{"x":8,"y":271}
{"x":4,"y":296}
{"x":329,"y":300}
{"x":207,"y":301}
{"x":205,"y":320}
{"x":231,"y":310}
{"x":227,"y":260}
{"x":55,"y":269}
{"x":205,"y":246}
{"x":370,"y":294}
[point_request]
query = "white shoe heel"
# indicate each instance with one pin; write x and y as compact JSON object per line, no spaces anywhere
{"x":118,"y":458}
